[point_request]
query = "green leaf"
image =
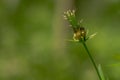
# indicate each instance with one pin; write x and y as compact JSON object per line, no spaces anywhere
{"x":73,"y":40}
{"x":101,"y":72}
{"x":91,"y":36}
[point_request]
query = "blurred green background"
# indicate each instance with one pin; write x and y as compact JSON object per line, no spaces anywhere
{"x":34,"y":46}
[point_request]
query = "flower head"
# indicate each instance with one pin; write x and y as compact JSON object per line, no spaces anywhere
{"x":70,"y":16}
{"x":79,"y":31}
{"x":79,"y":34}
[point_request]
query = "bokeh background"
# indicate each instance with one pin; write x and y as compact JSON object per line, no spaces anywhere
{"x":34,"y":40}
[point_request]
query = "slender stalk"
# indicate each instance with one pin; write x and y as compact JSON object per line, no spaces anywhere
{"x":92,"y":60}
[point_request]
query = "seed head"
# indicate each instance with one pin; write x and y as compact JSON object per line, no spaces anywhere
{"x":70,"y":16}
{"x":79,"y":32}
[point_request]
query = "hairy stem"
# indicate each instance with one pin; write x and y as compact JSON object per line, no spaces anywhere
{"x":92,"y":60}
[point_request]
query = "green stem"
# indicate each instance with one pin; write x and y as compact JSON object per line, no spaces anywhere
{"x":91,"y":58}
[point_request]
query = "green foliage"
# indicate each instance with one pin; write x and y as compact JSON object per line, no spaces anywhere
{"x":101,"y":72}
